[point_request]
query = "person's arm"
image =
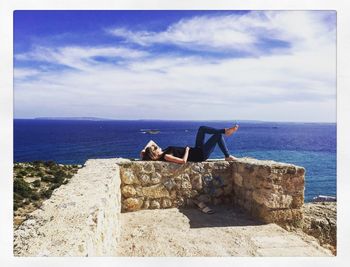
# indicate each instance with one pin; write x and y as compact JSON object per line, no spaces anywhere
{"x":182,"y":160}
{"x":150,"y":143}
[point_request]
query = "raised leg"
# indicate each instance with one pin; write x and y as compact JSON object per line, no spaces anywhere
{"x":209,"y":146}
{"x":200,"y":138}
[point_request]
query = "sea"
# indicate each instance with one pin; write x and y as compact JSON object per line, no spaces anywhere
{"x":311,"y":145}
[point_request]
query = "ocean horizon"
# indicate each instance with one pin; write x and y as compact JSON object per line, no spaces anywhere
{"x":74,"y":140}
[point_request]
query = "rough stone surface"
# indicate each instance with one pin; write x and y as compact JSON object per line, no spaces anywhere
{"x":320,"y":221}
{"x":188,"y":232}
{"x":132,"y":204}
{"x":269,"y":190}
{"x":155,"y":191}
{"x":128,"y":191}
{"x":80,"y":219}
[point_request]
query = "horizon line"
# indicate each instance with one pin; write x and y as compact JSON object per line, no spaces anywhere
{"x":189,"y":120}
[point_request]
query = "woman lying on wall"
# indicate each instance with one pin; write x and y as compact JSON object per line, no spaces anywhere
{"x":200,"y":152}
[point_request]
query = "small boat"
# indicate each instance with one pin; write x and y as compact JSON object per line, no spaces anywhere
{"x":150,"y":131}
{"x":153,"y":131}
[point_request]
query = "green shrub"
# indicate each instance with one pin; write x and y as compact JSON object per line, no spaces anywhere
{"x":47,"y":179}
{"x":59,"y":177}
{"x":38,"y":162}
{"x":36,"y":183}
{"x":54,"y":186}
{"x":17,"y":197}
{"x":35,"y":196}
{"x":50,"y":163}
{"x":47,"y":193}
{"x":23,"y":173}
{"x":22,"y":188}
{"x":37,"y":204}
{"x":40,"y":173}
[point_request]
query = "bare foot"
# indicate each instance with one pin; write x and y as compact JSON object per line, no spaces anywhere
{"x":231,"y":158}
{"x":230,"y":131}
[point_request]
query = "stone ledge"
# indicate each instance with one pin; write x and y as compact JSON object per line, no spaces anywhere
{"x":268,"y":190}
{"x":80,"y":219}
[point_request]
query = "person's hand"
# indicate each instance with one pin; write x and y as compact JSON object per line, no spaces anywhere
{"x":187,"y":148}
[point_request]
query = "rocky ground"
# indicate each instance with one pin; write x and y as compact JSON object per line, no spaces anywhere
{"x":33,"y":182}
{"x":320,"y":221}
{"x":189,"y":232}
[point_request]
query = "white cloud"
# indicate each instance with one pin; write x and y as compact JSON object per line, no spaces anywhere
{"x":298,"y":85}
{"x":303,"y":29}
{"x":22,"y":73}
{"x":79,"y":57}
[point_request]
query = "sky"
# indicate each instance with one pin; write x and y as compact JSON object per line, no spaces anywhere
{"x":176,"y":65}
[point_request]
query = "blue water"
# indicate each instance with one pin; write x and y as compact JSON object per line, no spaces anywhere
{"x":310,"y":145}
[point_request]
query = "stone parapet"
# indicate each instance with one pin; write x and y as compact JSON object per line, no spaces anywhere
{"x":267,"y":190}
{"x":153,"y":185}
{"x":80,"y":219}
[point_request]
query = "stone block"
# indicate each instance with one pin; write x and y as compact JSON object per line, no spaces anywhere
{"x":166,"y":203}
{"x":128,"y":191}
{"x":173,"y":194}
{"x":169,"y":184}
{"x":156,"y":178}
{"x":298,"y":201}
{"x":155,"y":191}
{"x":146,"y":204}
{"x":283,"y":216}
{"x":128,"y":176}
{"x":132,"y":204}
{"x":145,"y":179}
{"x":148,"y":167}
{"x":272,"y":199}
{"x":155,"y":204}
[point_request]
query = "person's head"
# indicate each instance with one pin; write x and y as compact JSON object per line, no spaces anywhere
{"x":152,"y":152}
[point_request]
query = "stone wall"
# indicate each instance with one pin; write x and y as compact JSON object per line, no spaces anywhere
{"x":80,"y":219}
{"x":154,"y":185}
{"x":268,"y":190}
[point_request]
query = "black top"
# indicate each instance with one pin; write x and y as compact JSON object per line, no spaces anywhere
{"x":195,"y":154}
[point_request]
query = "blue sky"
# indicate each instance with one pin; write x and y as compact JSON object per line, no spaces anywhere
{"x":206,"y":65}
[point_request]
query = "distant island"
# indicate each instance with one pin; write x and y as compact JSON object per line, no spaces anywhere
{"x":73,"y":118}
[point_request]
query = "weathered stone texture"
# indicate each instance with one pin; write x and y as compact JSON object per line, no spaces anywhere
{"x":320,"y":221}
{"x":80,"y":219}
{"x":268,"y":190}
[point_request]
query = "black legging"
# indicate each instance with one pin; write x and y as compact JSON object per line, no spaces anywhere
{"x":208,"y":147}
